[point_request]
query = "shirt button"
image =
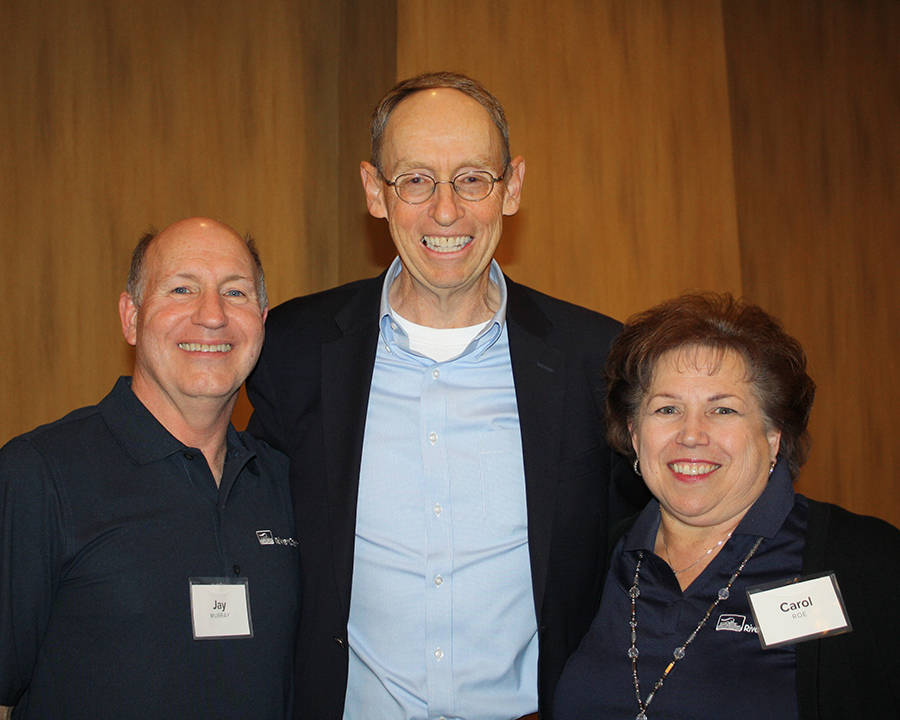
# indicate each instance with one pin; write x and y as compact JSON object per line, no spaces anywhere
{"x":435,"y":373}
{"x":437,"y":509}
{"x":393,"y":326}
{"x":439,"y":653}
{"x":433,"y":437}
{"x":237,"y":569}
{"x":439,"y":581}
{"x":189,"y":456}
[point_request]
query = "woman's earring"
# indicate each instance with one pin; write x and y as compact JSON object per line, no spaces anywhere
{"x":637,"y":470}
{"x":772,"y":467}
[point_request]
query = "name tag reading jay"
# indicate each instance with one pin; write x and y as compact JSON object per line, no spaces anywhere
{"x":220,"y":608}
{"x":796,"y":611}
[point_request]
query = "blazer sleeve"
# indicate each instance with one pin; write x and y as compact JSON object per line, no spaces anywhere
{"x":853,"y":675}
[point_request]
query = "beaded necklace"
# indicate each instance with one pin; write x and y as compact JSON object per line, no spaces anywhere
{"x":633,"y":653}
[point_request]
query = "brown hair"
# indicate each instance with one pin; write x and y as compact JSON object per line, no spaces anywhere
{"x":429,"y":81}
{"x":775,"y":361}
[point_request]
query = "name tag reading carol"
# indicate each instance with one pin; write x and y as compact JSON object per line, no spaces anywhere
{"x":220,"y":608}
{"x":791,"y":612}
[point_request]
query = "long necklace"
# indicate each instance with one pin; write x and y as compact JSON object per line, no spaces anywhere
{"x":634,"y":593}
{"x":678,"y":572}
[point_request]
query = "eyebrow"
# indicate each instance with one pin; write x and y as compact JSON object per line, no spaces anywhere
{"x":405,"y":165}
{"x":711,"y":398}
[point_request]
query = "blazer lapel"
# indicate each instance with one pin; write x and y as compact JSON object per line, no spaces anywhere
{"x":347,"y":365}
{"x":539,"y":373}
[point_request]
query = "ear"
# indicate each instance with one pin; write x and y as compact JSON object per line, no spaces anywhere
{"x":774,"y":439}
{"x":515,"y":176}
{"x":374,"y":189}
{"x":128,"y":316}
{"x":634,"y":438}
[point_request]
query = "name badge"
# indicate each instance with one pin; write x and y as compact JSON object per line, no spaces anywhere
{"x":220,"y":608}
{"x":794,"y":611}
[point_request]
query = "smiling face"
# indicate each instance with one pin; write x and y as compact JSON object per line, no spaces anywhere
{"x":199,"y":329}
{"x":446,"y":243}
{"x":703,"y":442}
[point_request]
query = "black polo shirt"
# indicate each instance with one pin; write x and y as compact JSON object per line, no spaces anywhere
{"x":725,"y":672}
{"x":105,"y":518}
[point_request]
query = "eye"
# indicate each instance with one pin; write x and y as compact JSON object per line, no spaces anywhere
{"x":181,"y":290}
{"x":414,"y":181}
{"x":666,"y":410}
{"x":235,"y":293}
{"x":724,"y":411}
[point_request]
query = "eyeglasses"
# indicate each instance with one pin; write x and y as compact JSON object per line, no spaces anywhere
{"x":415,"y":188}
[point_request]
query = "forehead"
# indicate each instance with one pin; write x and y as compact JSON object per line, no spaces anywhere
{"x":203,"y":249}
{"x":441,"y":125}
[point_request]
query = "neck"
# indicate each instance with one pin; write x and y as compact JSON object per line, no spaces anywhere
{"x":197,"y":422}
{"x":442,"y":307}
{"x":689,"y":549}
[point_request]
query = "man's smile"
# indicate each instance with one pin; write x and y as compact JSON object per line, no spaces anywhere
{"x":446,"y":244}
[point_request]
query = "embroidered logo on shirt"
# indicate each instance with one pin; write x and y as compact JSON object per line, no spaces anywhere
{"x":735,"y":623}
{"x":266,"y":537}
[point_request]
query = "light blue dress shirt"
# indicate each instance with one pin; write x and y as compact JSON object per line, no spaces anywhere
{"x":442,"y":619}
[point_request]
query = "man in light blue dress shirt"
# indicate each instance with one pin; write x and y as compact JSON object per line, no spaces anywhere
{"x":451,"y":480}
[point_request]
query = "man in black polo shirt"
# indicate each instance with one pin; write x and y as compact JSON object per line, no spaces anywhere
{"x":148,"y":566}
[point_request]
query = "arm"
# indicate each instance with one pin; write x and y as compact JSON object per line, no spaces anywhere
{"x":30,"y":522}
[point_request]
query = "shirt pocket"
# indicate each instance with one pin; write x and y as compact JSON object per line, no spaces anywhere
{"x":503,"y":482}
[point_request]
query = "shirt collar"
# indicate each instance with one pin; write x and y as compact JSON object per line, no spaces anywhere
{"x":141,"y":435}
{"x":394,"y":336}
{"x":765,"y":517}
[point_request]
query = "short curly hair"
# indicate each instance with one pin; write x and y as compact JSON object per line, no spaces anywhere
{"x":775,"y":362}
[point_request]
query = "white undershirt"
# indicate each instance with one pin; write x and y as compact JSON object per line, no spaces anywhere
{"x":439,"y":344}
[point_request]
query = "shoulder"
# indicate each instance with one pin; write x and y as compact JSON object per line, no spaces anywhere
{"x":845,"y":526}
{"x":522,"y":296}
{"x":63,"y":435}
{"x":847,"y":537}
{"x":324,"y":306}
{"x":560,"y":323}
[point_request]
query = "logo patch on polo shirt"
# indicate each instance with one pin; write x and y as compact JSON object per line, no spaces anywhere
{"x":267,"y":537}
{"x":735,"y":623}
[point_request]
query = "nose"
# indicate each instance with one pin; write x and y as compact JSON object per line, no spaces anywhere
{"x":446,"y":205}
{"x":693,"y":430}
{"x":210,"y":310}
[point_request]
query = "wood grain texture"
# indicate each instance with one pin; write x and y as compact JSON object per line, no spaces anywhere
{"x":815,"y":98}
{"x":123,"y":114}
{"x":741,"y":145}
{"x":621,"y":112}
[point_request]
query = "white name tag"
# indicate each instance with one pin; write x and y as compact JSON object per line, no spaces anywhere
{"x":795,"y":611}
{"x":220,"y":608}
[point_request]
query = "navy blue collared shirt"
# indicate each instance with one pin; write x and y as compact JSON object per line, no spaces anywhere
{"x":104,"y":519}
{"x":725,"y":672}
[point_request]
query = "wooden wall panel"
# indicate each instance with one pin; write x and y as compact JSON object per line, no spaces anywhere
{"x":621,"y":112}
{"x":122,"y":113}
{"x":737,"y":145}
{"x":816,"y":100}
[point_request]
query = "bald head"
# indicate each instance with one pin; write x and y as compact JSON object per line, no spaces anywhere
{"x":135,"y":286}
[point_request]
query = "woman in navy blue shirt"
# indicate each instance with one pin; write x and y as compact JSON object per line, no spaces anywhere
{"x":710,"y":399}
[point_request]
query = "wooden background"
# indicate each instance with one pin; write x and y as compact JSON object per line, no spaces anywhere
{"x":742,"y":145}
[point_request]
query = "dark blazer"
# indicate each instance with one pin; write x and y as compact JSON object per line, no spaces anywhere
{"x":853,"y":676}
{"x":310,"y":393}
